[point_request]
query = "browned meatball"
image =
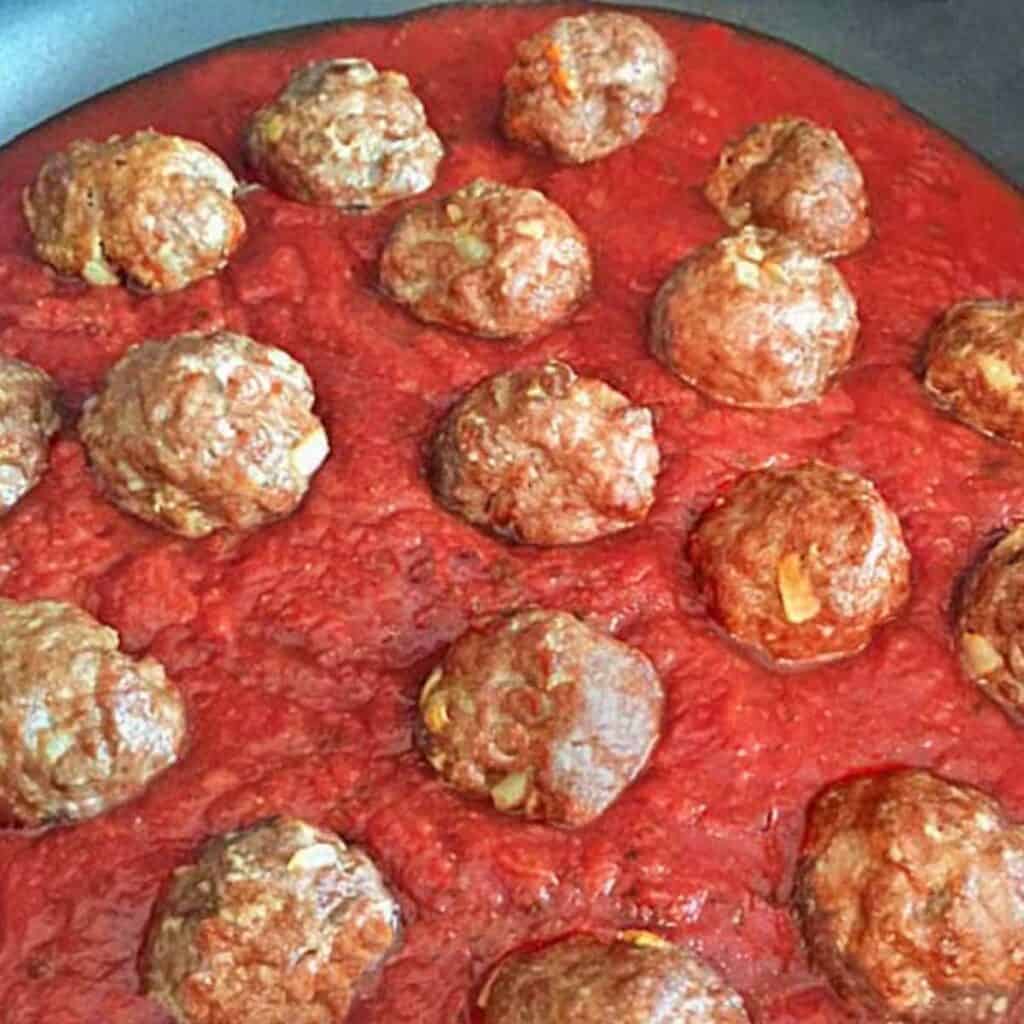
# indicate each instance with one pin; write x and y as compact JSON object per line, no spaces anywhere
{"x":542,"y":456}
{"x":28,"y":419}
{"x":542,"y":714}
{"x":755,"y":320}
{"x":586,"y":86}
{"x":975,"y":366}
{"x":798,"y":178}
{"x":488,"y":259}
{"x":203,"y":432}
{"x":802,"y":564}
{"x":82,"y":726}
{"x":639,"y":978}
{"x":910,"y":893}
{"x":157,"y":208}
{"x":281,"y":923}
{"x":344,"y":134}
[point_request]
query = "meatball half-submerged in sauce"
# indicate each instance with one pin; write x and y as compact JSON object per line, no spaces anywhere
{"x":801,"y":564}
{"x":28,"y":419}
{"x":489,"y":259}
{"x":755,"y":319}
{"x":639,"y":978}
{"x":798,"y":178}
{"x":281,"y":923}
{"x":542,"y":456}
{"x":542,"y":714}
{"x":157,"y":209}
{"x":83,"y":727}
{"x":586,"y":86}
{"x":342,"y":133}
{"x":910,"y":894}
{"x":205,"y":431}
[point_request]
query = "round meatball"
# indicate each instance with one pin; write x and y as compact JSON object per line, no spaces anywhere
{"x":974,"y":366}
{"x":205,"y":431}
{"x":344,"y":134}
{"x":542,"y":714}
{"x":281,"y":923}
{"x":798,"y":178}
{"x":587,"y":86}
{"x":28,"y":419}
{"x":755,"y":320}
{"x":82,"y":726}
{"x":639,"y":978}
{"x":541,"y":456}
{"x":910,"y":893}
{"x":156,"y":208}
{"x":488,"y":259}
{"x":801,"y":564}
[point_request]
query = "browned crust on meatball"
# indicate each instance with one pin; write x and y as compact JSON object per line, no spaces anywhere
{"x":797,"y":178}
{"x":281,"y":923}
{"x":586,"y":86}
{"x":489,"y":259}
{"x":28,"y":419}
{"x":801,"y":564}
{"x":755,"y":320}
{"x":910,"y":894}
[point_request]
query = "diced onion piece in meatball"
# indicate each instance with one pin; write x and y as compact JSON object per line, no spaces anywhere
{"x":83,"y":727}
{"x":28,"y":419}
{"x":342,"y":133}
{"x":801,"y":564}
{"x":281,"y":923}
{"x":755,"y":320}
{"x":541,"y":714}
{"x":910,"y":894}
{"x":157,"y":209}
{"x":489,"y":259}
{"x":203,"y":432}
{"x":586,"y":86}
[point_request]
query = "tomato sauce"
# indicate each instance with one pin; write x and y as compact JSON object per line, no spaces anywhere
{"x":301,"y":648}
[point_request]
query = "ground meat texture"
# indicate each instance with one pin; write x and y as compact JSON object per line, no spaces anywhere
{"x":205,"y":431}
{"x":542,"y":714}
{"x":344,"y":134}
{"x":281,"y":923}
{"x":974,"y":366}
{"x":795,"y":177}
{"x":28,"y":419}
{"x":755,"y":320}
{"x":587,"y":86}
{"x":155,"y":208}
{"x":910,"y":893}
{"x":639,"y":978}
{"x":541,"y":456}
{"x":83,"y":727}
{"x":489,"y":259}
{"x":801,"y":564}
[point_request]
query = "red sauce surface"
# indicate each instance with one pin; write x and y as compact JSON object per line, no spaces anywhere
{"x":301,"y":648}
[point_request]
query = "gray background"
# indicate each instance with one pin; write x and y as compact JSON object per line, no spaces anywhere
{"x":959,"y":62}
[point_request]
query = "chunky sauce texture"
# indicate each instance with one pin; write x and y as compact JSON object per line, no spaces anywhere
{"x":301,"y":648}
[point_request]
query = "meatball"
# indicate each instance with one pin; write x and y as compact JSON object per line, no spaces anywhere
{"x":157,"y":208}
{"x":798,"y":178}
{"x":974,"y":366}
{"x":755,"y":320}
{"x":204,"y":432}
{"x":344,"y":134}
{"x":82,"y":726}
{"x":545,"y":716}
{"x":541,"y":456}
{"x":910,"y":893}
{"x":639,"y":978}
{"x":281,"y":923}
{"x":587,"y":86}
{"x":28,"y":419}
{"x":488,"y":259}
{"x":801,"y":564}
